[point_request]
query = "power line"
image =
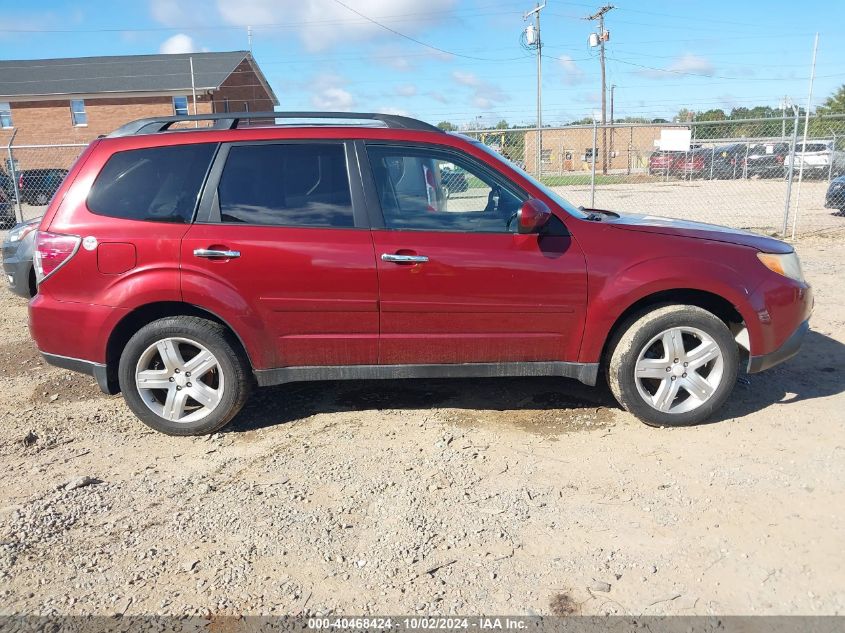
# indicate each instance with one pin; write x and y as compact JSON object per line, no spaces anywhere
{"x":413,"y":39}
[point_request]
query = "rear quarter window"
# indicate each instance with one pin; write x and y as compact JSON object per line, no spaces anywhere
{"x":159,"y":184}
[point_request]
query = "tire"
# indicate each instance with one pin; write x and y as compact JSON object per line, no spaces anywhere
{"x":640,"y":345}
{"x":186,"y":341}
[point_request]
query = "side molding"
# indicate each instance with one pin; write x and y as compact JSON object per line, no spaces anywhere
{"x":586,"y":373}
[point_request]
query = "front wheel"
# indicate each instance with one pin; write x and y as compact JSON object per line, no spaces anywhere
{"x":184,"y":375}
{"x":673,"y":366}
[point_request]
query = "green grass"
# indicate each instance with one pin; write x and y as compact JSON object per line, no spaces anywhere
{"x":584,"y":179}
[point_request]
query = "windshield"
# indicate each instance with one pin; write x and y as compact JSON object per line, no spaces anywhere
{"x":564,"y":204}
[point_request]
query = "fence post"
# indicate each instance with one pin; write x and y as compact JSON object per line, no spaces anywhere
{"x":745,"y":164}
{"x":593,"y":171}
{"x":832,"y":157}
{"x":14,"y":177}
{"x":712,"y":160}
{"x":789,"y":173}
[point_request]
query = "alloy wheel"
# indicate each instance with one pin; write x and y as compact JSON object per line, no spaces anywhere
{"x":179,"y":379}
{"x":679,"y":370}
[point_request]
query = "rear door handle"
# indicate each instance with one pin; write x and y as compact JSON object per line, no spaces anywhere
{"x":404,"y":259}
{"x":212,"y":252}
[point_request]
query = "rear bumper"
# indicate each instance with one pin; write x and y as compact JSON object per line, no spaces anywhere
{"x":98,"y":370}
{"x":787,"y":350}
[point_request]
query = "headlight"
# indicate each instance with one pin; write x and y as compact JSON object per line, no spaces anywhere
{"x":787,"y":265}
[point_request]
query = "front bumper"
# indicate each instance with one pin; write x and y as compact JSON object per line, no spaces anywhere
{"x":787,"y":350}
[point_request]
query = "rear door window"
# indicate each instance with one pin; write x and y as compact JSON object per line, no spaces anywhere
{"x":286,"y":184}
{"x":158,"y":184}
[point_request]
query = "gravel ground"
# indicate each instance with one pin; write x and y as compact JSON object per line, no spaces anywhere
{"x":444,"y":496}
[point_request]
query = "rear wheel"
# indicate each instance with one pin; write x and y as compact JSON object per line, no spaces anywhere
{"x":673,"y":366}
{"x":184,"y":375}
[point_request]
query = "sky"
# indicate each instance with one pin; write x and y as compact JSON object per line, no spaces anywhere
{"x":462,"y":61}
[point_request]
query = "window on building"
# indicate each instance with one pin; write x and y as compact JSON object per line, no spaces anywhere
{"x":158,"y":184}
{"x":180,"y":106}
{"x":286,"y":184}
{"x":5,"y":114}
{"x":77,"y":112}
{"x":225,"y":105}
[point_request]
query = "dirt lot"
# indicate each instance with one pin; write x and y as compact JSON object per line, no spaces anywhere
{"x":750,"y":204}
{"x":496,"y":496}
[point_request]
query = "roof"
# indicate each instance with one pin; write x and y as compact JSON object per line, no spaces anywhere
{"x":121,"y":74}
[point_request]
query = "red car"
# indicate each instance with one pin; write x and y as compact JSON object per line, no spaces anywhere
{"x":183,"y":267}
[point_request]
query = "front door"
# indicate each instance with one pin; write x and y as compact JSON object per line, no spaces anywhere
{"x":283,"y":252}
{"x":457,"y":284}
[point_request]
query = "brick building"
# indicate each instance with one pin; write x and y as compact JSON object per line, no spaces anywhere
{"x":74,"y":100}
{"x":570,"y":148}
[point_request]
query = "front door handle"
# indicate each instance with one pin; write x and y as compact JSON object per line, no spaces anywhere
{"x":404,"y":259}
{"x":213,"y":252}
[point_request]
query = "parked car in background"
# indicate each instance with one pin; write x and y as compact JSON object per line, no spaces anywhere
{"x":765,"y":159}
{"x":727,"y":161}
{"x":835,"y":197}
{"x":665,"y":163}
{"x":18,"y":248}
{"x":182,"y":268}
{"x":820,"y":159}
{"x":37,"y":186}
{"x":453,"y":180}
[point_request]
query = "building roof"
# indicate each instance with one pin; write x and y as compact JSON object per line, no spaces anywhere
{"x":120,"y":74}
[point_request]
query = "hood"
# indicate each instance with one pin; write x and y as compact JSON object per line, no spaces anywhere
{"x":697,"y":230}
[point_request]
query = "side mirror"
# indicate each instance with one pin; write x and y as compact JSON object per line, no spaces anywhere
{"x":532,"y":216}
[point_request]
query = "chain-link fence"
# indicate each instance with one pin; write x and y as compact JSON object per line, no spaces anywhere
{"x":29,"y":177}
{"x":755,"y":174}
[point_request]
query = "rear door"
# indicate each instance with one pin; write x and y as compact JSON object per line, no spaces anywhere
{"x":457,"y":283}
{"x":282,"y":248}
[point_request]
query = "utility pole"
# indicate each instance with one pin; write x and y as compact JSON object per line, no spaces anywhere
{"x":612,"y":89}
{"x":532,"y":40}
{"x":602,"y":38}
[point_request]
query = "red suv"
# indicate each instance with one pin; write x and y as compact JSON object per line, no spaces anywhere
{"x":182,"y":267}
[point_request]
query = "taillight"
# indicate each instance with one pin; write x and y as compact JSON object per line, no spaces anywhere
{"x":780,"y":159}
{"x":52,"y":251}
{"x":20,"y":181}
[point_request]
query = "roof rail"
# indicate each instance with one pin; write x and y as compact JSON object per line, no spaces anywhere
{"x":230,"y":121}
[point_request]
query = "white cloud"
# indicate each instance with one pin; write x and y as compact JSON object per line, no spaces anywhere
{"x":180,"y":13}
{"x":572,"y":74}
{"x":406,"y":90}
{"x":179,"y":43}
{"x":393,"y":110}
{"x":323,"y":25}
{"x":685,"y":64}
{"x":484,"y":93}
{"x":333,"y":99}
{"x":438,"y":96}
{"x":328,"y":92}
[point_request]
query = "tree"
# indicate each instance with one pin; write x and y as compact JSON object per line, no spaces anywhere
{"x":502,"y":125}
{"x":834,"y":104}
{"x":447,"y":126}
{"x":684,"y":115}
